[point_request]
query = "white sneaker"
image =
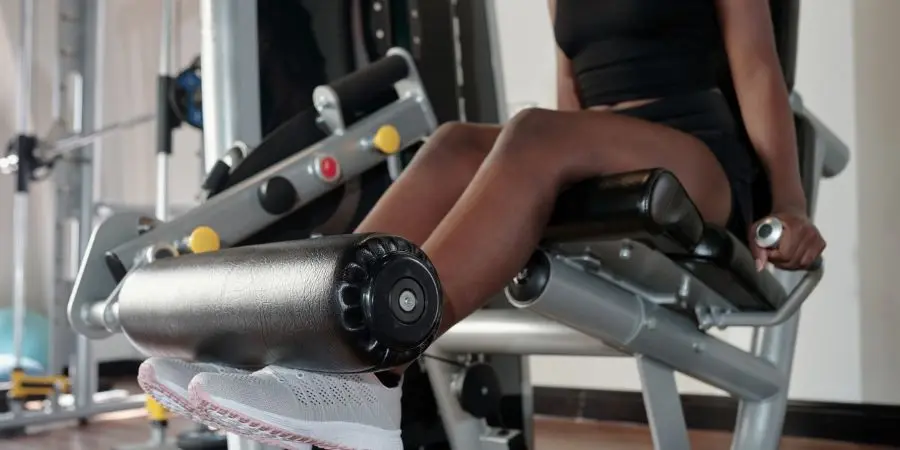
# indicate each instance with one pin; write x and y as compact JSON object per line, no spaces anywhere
{"x":167,"y":380}
{"x":336,"y":412}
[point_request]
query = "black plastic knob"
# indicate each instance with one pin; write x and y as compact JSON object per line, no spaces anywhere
{"x":277,"y":196}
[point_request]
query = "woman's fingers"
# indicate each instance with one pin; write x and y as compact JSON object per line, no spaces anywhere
{"x":808,"y":241}
{"x":813,"y":251}
{"x":806,"y":246}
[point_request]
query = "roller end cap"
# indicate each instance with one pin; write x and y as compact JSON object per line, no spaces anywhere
{"x":391,"y":300}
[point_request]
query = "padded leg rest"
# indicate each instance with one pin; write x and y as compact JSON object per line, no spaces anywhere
{"x":349,"y":303}
{"x":649,"y":206}
{"x":652,"y":207}
{"x":726,"y":265}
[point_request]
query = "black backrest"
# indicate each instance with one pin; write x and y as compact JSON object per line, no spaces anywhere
{"x":786,"y":21}
{"x":302,"y":44}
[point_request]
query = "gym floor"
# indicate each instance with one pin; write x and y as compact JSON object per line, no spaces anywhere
{"x":130,"y":427}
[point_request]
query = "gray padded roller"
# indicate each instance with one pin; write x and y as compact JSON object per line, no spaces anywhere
{"x":349,"y":303}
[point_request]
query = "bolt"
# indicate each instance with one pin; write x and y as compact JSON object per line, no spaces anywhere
{"x":625,"y":251}
{"x":685,"y":289}
{"x":521,"y":277}
{"x":484,"y":390}
{"x":698,"y":347}
{"x":408,"y":301}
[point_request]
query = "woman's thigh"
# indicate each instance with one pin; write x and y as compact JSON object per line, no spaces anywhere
{"x":569,"y":147}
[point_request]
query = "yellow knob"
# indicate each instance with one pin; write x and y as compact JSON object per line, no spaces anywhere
{"x":204,"y":239}
{"x":387,"y":139}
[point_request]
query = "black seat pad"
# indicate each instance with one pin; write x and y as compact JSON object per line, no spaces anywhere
{"x":652,"y":207}
{"x":647,"y":205}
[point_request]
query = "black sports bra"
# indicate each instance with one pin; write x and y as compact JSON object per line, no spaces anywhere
{"x":638,"y":49}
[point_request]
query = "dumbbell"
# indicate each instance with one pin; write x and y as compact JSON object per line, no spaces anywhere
{"x":768,"y":234}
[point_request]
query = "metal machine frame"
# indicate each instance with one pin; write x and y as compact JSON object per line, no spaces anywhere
{"x":75,"y":111}
{"x":585,"y":307}
{"x":759,"y":379}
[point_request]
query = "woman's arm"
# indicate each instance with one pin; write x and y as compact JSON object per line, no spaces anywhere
{"x":765,"y":108}
{"x":566,"y":96}
{"x":763,"y":97}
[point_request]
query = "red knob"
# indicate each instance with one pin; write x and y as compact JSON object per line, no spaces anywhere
{"x":328,"y":168}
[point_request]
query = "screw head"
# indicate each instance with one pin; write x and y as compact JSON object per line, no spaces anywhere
{"x":408,"y":301}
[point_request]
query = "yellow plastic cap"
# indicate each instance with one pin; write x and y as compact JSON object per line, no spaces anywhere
{"x":204,"y":239}
{"x":387,"y":139}
{"x":155,"y":411}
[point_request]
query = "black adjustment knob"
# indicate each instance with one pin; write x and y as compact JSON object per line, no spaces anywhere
{"x":277,"y":196}
{"x":480,"y":393}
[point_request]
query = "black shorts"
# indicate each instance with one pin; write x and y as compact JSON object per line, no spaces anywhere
{"x":706,"y":115}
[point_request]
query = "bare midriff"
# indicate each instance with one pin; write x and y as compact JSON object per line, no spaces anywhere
{"x":624,"y":105}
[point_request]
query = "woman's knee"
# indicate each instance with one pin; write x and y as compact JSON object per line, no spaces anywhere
{"x":457,"y":142}
{"x":531,"y":139}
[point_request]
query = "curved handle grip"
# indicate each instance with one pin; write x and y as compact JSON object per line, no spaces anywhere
{"x":768,"y":234}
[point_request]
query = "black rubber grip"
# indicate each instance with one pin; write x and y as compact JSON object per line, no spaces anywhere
{"x":357,"y":90}
{"x":24,"y":147}
{"x":217,"y":177}
{"x":332,"y":304}
{"x":166,"y":120}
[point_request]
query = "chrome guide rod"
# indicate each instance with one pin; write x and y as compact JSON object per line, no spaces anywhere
{"x":230,"y":61}
{"x":24,"y":127}
{"x":94,"y":12}
{"x":165,"y":69}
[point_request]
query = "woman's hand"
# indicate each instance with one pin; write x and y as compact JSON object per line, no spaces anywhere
{"x":799,"y":246}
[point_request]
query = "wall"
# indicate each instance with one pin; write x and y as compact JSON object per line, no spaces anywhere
{"x":878,"y":138}
{"x":127,"y":160}
{"x":823,"y":371}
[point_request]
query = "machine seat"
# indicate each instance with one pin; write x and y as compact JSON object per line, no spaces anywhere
{"x":726,"y":265}
{"x":652,"y":207}
{"x":647,"y":205}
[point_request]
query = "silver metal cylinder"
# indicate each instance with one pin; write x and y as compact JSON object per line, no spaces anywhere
{"x":20,"y":253}
{"x":24,"y":122}
{"x":603,"y":310}
{"x":166,"y":64}
{"x":519,"y":332}
{"x":162,"y":186}
{"x":230,"y":61}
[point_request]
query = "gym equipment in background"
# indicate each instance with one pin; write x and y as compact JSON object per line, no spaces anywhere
{"x":186,"y":95}
{"x":35,"y":345}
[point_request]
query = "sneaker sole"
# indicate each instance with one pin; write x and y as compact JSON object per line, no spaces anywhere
{"x":167,"y":396}
{"x":233,"y":417}
{"x":180,"y":404}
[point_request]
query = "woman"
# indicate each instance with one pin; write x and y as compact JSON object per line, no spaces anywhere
{"x":637,"y":90}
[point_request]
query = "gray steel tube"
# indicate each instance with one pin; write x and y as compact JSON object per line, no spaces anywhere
{"x":230,"y":61}
{"x":519,"y":332}
{"x":558,"y":290}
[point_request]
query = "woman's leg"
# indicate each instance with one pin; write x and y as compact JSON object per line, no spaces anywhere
{"x":495,"y":226}
{"x":414,"y":204}
{"x":477,"y":247}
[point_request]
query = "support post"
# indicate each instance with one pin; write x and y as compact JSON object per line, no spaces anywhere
{"x":230,"y":63}
{"x":91,"y":108}
{"x":759,"y":423}
{"x":463,"y":431}
{"x":24,"y":150}
{"x":229,"y":58}
{"x":663,"y":404}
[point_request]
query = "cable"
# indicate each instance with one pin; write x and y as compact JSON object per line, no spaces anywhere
{"x":445,"y":360}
